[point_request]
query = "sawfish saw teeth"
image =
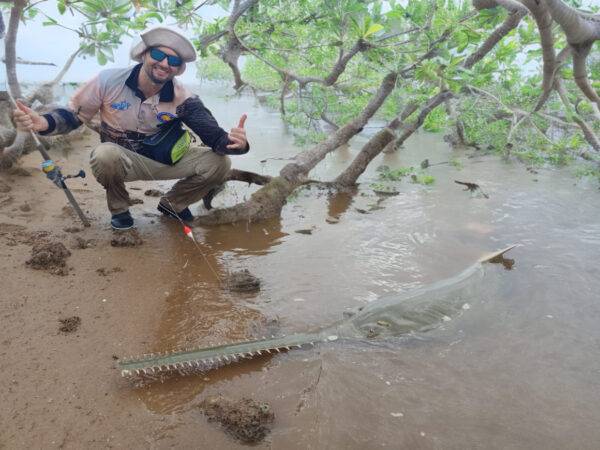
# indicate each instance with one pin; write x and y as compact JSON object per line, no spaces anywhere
{"x":186,"y":361}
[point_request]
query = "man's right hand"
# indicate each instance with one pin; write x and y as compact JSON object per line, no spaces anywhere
{"x":27,"y":119}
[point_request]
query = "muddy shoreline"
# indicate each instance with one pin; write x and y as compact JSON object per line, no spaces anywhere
{"x":513,"y":371}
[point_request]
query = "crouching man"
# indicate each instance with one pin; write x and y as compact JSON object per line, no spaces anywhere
{"x":143,"y":110}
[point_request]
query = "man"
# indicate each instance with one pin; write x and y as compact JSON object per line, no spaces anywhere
{"x":141,"y":111}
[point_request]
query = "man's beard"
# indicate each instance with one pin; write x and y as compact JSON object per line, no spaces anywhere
{"x":149,"y":71}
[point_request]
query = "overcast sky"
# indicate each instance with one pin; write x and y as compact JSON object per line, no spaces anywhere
{"x":36,"y":42}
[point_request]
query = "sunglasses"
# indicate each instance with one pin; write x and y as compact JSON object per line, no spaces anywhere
{"x":159,"y":55}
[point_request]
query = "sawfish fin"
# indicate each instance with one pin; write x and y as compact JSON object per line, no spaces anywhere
{"x":490,"y":256}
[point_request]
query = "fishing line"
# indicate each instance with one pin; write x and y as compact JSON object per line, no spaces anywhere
{"x":186,"y":229}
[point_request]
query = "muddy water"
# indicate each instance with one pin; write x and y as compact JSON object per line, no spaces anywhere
{"x":517,"y":370}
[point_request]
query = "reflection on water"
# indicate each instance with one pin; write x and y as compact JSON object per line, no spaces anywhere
{"x":517,"y":370}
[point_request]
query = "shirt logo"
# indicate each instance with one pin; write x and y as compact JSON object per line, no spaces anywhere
{"x":121,"y":106}
{"x":164,"y":117}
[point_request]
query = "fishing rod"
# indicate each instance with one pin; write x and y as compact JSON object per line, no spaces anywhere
{"x":53,"y":172}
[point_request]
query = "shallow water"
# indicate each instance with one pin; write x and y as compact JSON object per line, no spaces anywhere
{"x":519,"y":369}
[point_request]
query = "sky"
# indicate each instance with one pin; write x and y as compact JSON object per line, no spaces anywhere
{"x":36,"y":42}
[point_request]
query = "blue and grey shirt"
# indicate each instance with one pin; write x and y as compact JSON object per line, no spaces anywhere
{"x":128,"y":117}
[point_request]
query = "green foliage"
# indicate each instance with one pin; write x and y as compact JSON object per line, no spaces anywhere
{"x":395,"y":174}
{"x":436,"y":120}
{"x":416,"y":176}
{"x":588,"y":171}
{"x":384,"y":188}
{"x":260,"y":75}
{"x":454,"y":162}
{"x":428,"y":41}
{"x":423,"y":179}
{"x":213,"y":68}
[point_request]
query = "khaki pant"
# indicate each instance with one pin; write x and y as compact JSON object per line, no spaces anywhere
{"x":198,"y":172}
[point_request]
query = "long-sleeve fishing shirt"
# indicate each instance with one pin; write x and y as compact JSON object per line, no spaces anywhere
{"x":128,"y":117}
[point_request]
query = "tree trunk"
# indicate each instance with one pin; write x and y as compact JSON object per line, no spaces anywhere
{"x":579,"y":27}
{"x":509,"y":24}
{"x":307,"y":160}
{"x":376,"y":144}
{"x":10,"y":55}
{"x":268,"y":201}
{"x":580,"y":54}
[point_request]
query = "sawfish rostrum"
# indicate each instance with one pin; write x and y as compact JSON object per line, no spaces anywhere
{"x":418,"y":310}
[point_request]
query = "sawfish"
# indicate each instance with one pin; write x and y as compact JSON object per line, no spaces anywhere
{"x":414,"y":311}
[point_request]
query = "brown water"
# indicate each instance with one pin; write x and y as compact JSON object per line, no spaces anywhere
{"x":520,"y":370}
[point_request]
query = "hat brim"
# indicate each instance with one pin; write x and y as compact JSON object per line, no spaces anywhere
{"x":137,"y":52}
{"x":161,"y":36}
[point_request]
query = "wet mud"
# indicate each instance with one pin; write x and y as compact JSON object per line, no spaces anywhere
{"x":128,"y":238}
{"x":18,"y":171}
{"x":18,"y":234}
{"x":69,"y":324}
{"x":49,"y":256}
{"x":104,"y":272}
{"x":246,"y":420}
{"x":6,"y":200}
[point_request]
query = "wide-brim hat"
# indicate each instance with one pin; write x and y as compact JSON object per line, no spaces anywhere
{"x":164,"y":37}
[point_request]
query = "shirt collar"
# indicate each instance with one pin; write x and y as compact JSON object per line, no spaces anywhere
{"x":167,"y":92}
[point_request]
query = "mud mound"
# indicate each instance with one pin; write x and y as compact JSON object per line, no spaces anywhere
{"x":154,"y":193}
{"x":242,"y":281}
{"x":70,"y":324}
{"x":128,"y":238}
{"x":82,"y":243}
{"x":49,"y":256}
{"x":246,"y":419}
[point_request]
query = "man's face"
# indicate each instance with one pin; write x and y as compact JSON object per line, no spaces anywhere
{"x":159,"y":71}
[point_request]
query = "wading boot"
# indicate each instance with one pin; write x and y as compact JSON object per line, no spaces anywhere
{"x":121,"y":221}
{"x":185,"y":214}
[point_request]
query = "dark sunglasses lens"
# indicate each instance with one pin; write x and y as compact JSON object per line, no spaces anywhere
{"x":159,"y":55}
{"x":174,"y":61}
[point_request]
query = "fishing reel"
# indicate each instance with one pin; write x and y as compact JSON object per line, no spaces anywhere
{"x":55,"y":175}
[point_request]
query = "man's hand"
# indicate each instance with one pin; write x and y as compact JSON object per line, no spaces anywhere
{"x":28,"y":120}
{"x":237,"y":136}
